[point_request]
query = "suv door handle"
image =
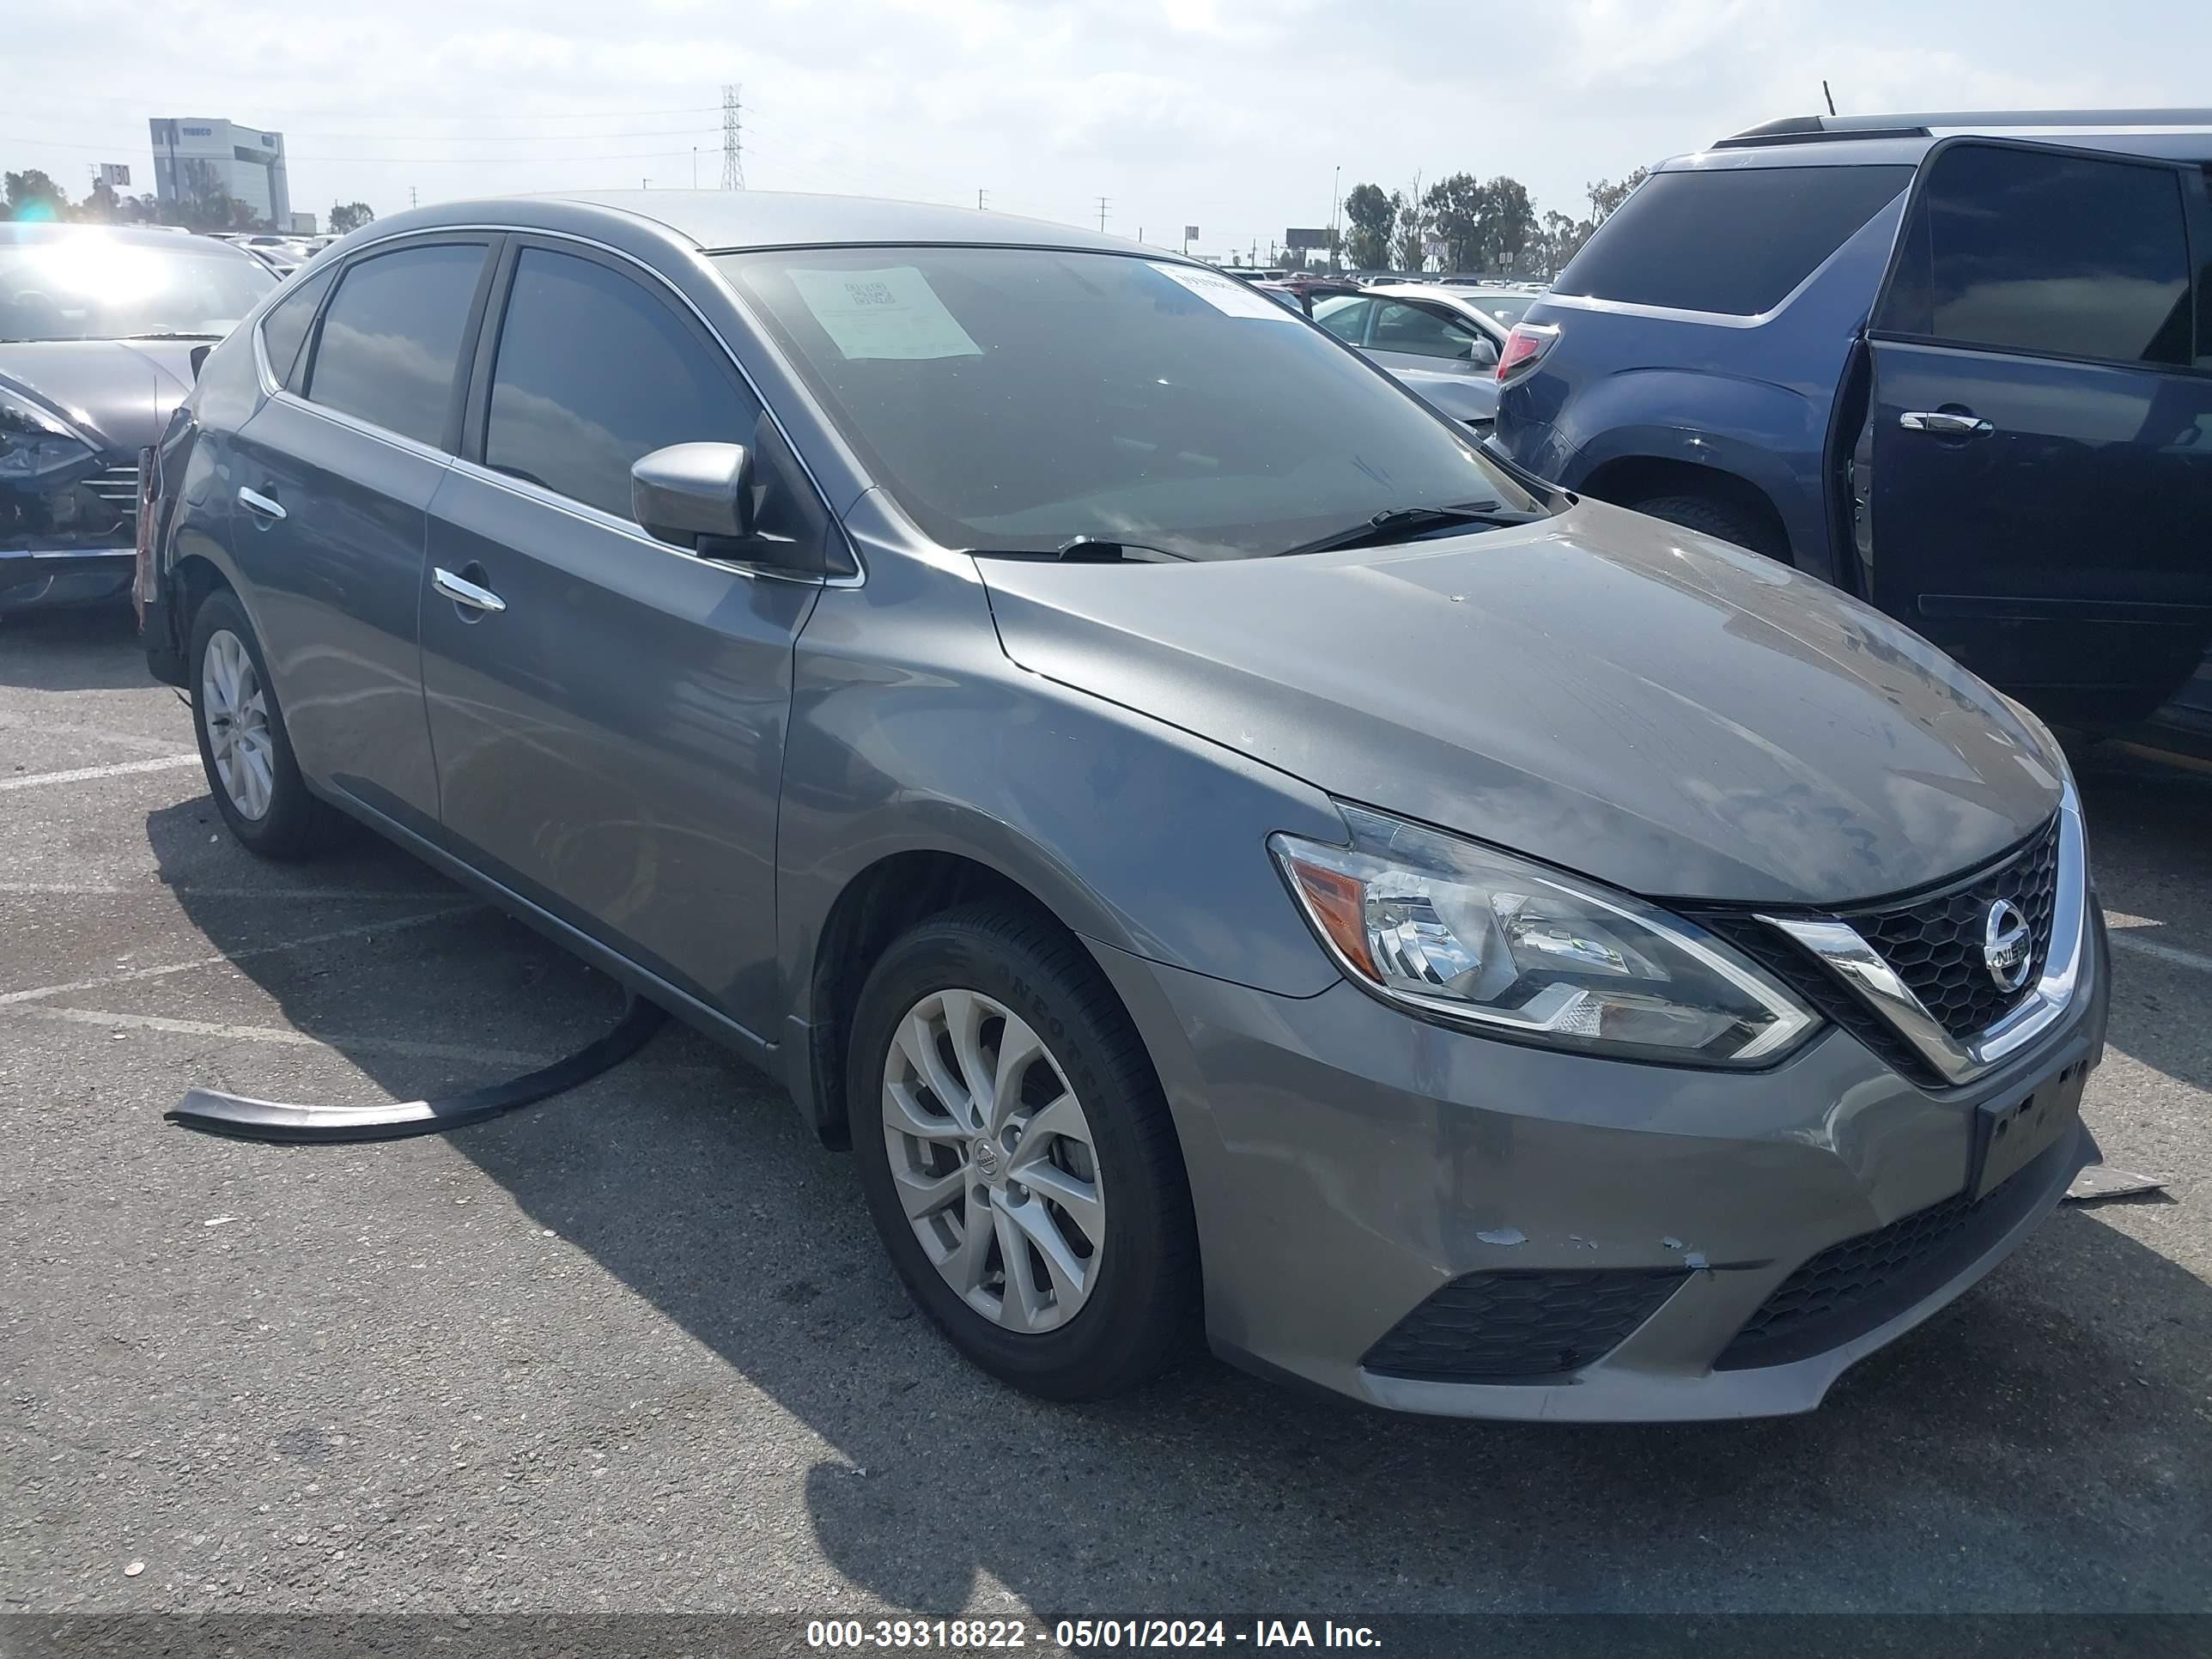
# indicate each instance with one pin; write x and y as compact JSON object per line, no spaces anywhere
{"x":461,"y":590}
{"x":1949,"y":424}
{"x":254,"y":501}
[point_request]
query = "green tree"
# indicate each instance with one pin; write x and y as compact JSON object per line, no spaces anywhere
{"x":1455,"y":206}
{"x":1412,"y":219}
{"x":350,"y":216}
{"x":1371,"y":215}
{"x":1509,"y":223}
{"x":31,"y":195}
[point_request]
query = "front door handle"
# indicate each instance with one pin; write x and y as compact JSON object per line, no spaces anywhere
{"x":254,"y":501}
{"x":461,"y":590}
{"x":1946,"y":422}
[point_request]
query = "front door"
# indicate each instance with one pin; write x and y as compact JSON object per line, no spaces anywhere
{"x":2036,"y":472}
{"x":610,"y":728}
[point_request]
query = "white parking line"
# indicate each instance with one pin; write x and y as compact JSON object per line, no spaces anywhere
{"x":106,"y":734}
{"x":2172,"y":954}
{"x":392,"y":925}
{"x":278,"y":1033}
{"x":86,"y":774}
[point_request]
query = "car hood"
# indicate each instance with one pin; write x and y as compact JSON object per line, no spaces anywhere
{"x":1664,"y":712}
{"x":1463,"y":394}
{"x":119,"y":393}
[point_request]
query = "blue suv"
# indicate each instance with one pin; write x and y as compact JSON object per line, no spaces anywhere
{"x":1958,"y":365}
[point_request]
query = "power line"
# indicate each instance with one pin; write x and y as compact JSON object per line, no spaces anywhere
{"x":733,"y":139}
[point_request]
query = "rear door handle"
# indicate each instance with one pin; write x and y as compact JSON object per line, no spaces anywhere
{"x":1949,"y":424}
{"x":461,"y":590}
{"x":254,"y":501}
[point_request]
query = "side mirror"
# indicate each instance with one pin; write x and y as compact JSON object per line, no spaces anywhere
{"x":1482,"y":355}
{"x":688,"y":491}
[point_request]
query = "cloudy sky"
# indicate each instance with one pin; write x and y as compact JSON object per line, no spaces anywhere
{"x":1233,"y":115}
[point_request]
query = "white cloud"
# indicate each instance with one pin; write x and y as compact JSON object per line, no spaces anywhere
{"x":1232,"y":114}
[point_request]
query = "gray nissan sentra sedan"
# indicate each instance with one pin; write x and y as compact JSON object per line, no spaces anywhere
{"x":1223,"y":853}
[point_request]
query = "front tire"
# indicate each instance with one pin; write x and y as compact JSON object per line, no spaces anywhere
{"x":244,"y":747}
{"x":1019,"y":1158}
{"x":1720,"y":519}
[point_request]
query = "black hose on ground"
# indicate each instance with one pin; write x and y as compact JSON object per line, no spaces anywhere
{"x":217,"y":1113}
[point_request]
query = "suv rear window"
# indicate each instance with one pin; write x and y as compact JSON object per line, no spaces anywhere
{"x":2071,"y":256}
{"x":1735,"y":240}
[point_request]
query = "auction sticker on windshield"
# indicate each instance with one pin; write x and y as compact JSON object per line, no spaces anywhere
{"x":890,"y":313}
{"x":1224,"y":293}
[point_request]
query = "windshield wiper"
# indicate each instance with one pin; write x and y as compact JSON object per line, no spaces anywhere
{"x":1087,"y":549}
{"x":1399,"y":523}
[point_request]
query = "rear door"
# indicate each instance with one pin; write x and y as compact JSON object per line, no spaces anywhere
{"x":333,"y":476}
{"x":2036,"y":471}
{"x":609,"y":742}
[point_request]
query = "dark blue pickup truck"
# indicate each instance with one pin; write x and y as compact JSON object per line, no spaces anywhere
{"x":1958,"y":364}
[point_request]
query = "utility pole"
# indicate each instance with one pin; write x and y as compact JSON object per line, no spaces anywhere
{"x":1102,"y":215}
{"x":1335,"y":204}
{"x":979,"y":199}
{"x":733,"y":139}
{"x":694,"y":166}
{"x":410,"y":196}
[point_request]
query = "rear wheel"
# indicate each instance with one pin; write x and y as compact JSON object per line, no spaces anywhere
{"x":1017,"y":1155}
{"x":1723,"y":521}
{"x":244,"y":748}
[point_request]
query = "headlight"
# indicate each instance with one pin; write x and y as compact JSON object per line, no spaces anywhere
{"x":1478,"y":938}
{"x":34,"y":443}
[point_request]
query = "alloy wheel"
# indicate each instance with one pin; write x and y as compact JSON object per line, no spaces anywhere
{"x":235,"y":709}
{"x":993,"y":1160}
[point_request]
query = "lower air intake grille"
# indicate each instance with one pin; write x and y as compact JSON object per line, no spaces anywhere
{"x":1521,"y":1327}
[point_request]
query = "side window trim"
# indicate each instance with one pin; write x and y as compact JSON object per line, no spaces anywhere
{"x":2200,"y":259}
{"x":491,"y":242}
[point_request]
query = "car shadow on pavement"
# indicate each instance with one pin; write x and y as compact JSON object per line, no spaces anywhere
{"x":83,"y":648}
{"x":2044,"y":1443}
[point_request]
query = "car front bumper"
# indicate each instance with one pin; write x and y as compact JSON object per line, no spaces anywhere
{"x":33,"y":578}
{"x":1643,"y":1223}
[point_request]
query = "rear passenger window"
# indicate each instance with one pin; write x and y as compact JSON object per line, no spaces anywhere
{"x":284,"y":330}
{"x":593,"y":372}
{"x":1734,"y":240}
{"x":2062,"y":255}
{"x":391,"y":342}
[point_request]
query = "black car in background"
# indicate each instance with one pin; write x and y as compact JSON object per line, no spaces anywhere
{"x":101,"y":332}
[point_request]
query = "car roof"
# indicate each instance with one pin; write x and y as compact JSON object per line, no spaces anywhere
{"x":2180,"y":135}
{"x":731,"y":220}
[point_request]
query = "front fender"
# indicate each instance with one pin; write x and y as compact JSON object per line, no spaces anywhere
{"x":912,"y":732}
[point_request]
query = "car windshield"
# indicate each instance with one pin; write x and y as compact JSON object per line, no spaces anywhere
{"x":83,"y":285}
{"x":1014,"y":400}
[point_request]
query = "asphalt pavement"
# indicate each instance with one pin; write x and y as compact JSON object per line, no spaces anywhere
{"x":637,"y":1348}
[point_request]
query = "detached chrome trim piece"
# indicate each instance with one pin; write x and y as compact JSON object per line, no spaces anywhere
{"x":1845,"y":950}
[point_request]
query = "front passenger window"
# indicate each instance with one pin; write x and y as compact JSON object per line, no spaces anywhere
{"x":594,"y":372}
{"x":391,"y":340}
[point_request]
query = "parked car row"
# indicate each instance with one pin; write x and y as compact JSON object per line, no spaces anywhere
{"x":1223,"y":850}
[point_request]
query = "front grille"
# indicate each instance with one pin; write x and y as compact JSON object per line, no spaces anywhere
{"x":1820,"y":990}
{"x":118,"y":485}
{"x":1521,"y":1327}
{"x":1935,"y":943}
{"x":1851,"y":1288}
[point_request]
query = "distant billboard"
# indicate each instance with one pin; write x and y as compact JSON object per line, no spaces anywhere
{"x":1190,"y":232}
{"x":114,"y":175}
{"x":1295,"y":238}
